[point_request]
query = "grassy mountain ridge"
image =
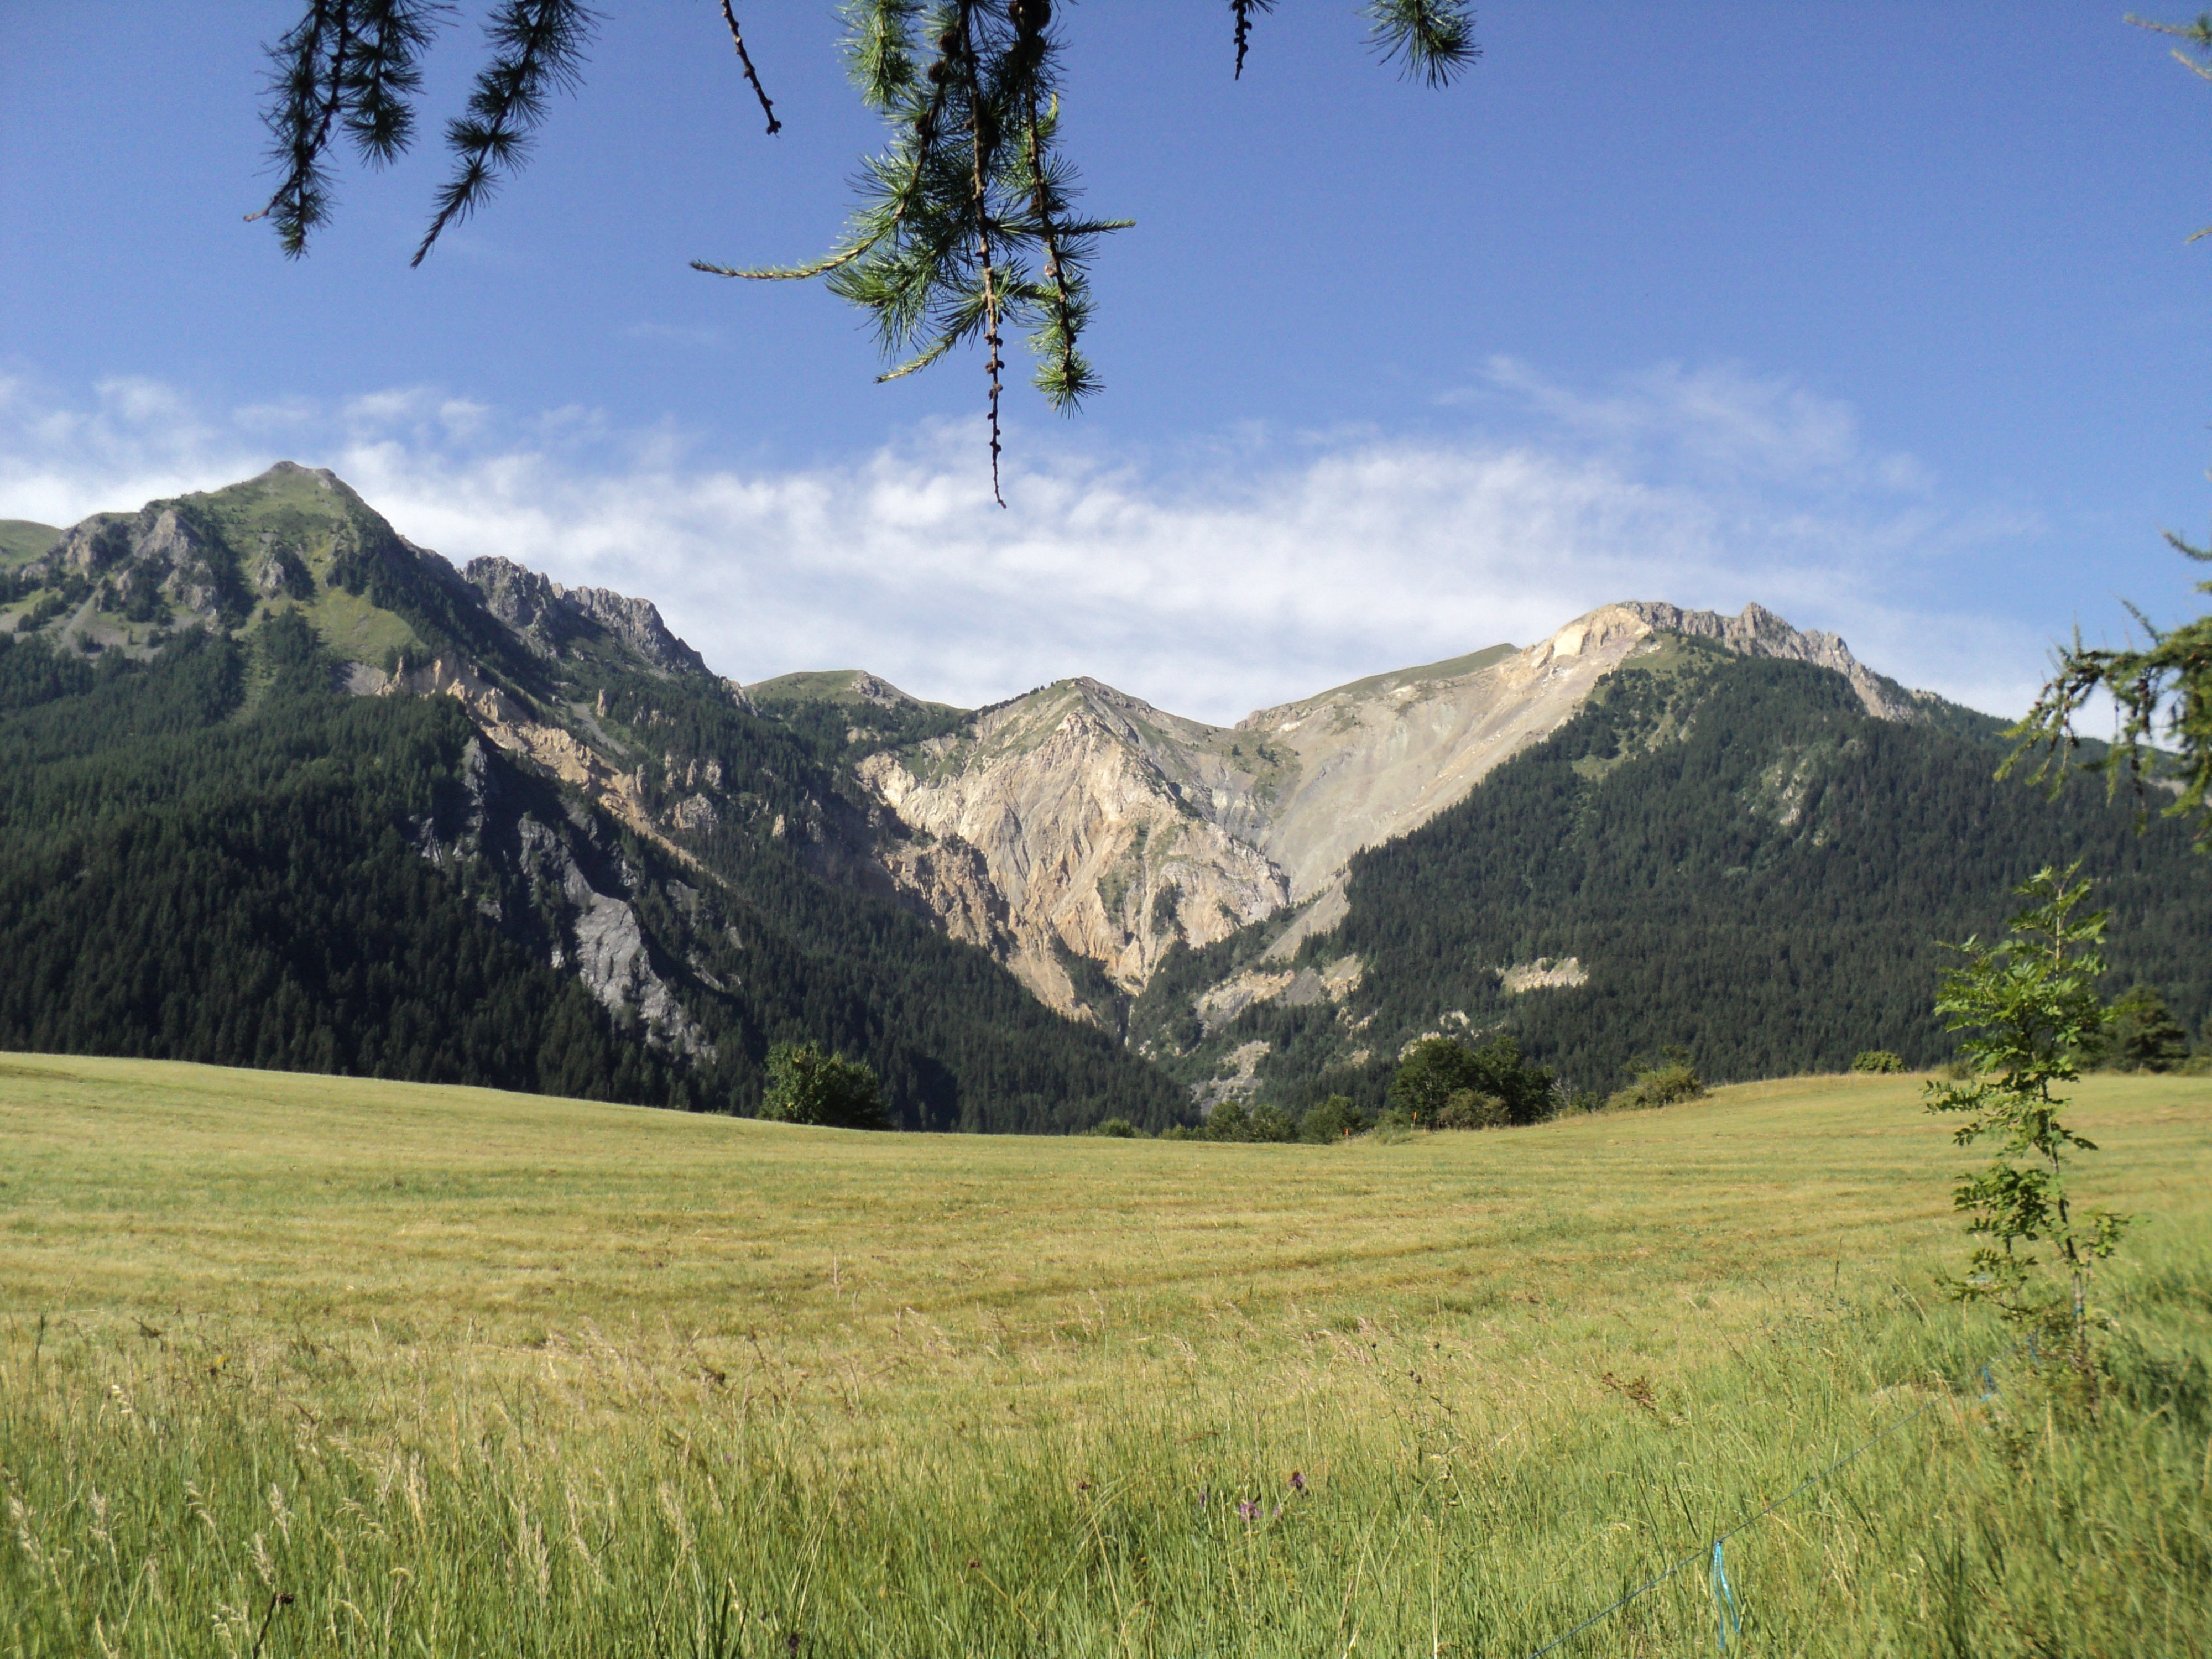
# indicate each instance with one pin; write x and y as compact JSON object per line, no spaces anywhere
{"x":22,"y":540}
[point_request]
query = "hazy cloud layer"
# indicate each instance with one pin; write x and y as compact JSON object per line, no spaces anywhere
{"x":1266,"y":569}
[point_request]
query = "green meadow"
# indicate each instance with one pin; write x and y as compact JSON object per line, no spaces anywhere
{"x":295,"y":1366}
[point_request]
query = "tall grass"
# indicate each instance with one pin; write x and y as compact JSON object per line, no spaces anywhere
{"x":1378,"y":1460}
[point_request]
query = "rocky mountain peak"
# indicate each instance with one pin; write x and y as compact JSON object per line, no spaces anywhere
{"x":637,"y":624}
{"x":546,"y":615}
{"x":1080,"y":819}
{"x":1758,"y":632}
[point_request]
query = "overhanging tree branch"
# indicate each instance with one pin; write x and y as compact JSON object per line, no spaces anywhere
{"x":965,"y":221}
{"x":538,"y":49}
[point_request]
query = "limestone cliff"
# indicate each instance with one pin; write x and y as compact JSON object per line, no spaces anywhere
{"x":1077,"y":821}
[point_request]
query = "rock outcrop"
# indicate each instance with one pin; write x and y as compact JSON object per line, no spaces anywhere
{"x":549,"y":618}
{"x":1075,"y":821}
{"x":545,"y":876}
{"x":1758,"y":632}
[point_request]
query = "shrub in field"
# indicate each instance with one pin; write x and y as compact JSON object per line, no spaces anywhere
{"x":1470,"y":1109}
{"x":1437,"y":1068}
{"x":2033,"y":1000}
{"x":1395,"y":1124}
{"x":1877,"y":1059}
{"x":1114,"y":1128}
{"x":1228,"y":1122}
{"x":1664,"y":1082}
{"x":1233,"y":1120}
{"x":1335,"y":1118}
{"x":805,"y":1085}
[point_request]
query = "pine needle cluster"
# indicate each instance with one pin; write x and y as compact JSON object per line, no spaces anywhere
{"x":965,"y":223}
{"x":2162,"y":690}
{"x":355,"y":66}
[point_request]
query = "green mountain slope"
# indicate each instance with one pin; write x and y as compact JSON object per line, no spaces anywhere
{"x":180,"y":879}
{"x":22,"y":540}
{"x":1726,"y":853}
{"x":575,"y":860}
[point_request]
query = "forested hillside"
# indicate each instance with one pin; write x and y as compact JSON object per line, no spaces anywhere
{"x":209,"y":852}
{"x":180,"y":880}
{"x":1730,"y":856}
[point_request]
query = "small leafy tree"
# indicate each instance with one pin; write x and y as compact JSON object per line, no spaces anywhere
{"x":1427,"y":1078}
{"x":1437,"y":1069}
{"x":1336,"y":1118}
{"x":2033,"y":999}
{"x":805,"y":1085}
{"x":1877,"y":1061}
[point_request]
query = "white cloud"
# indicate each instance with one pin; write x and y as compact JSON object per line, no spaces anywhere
{"x":1260,"y":572}
{"x":1719,"y":422}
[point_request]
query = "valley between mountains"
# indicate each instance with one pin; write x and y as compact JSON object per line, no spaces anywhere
{"x":284,"y":789}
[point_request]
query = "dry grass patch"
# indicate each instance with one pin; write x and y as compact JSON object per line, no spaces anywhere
{"x":612,"y":1380}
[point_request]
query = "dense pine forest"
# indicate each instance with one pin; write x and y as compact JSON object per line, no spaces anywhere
{"x":215,"y":855}
{"x":1744,"y":863}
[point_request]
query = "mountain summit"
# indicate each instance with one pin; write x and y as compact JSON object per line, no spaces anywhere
{"x":1079,"y":823}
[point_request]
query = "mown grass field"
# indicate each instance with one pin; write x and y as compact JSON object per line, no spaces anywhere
{"x":463,"y":1373}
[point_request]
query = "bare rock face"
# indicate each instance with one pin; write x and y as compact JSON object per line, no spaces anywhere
{"x":546,"y":615}
{"x":554,"y":888}
{"x":1758,"y":632}
{"x":159,"y":551}
{"x":526,"y":602}
{"x":1074,"y":820}
{"x":637,"y":624}
{"x":1544,"y":975}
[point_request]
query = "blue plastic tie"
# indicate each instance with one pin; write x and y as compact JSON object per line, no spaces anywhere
{"x":1724,"y":1613}
{"x":1989,"y":1384}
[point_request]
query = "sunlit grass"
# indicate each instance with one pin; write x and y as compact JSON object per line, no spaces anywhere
{"x":464,"y":1372}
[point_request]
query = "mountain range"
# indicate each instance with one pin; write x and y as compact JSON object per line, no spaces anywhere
{"x":1653,"y":826}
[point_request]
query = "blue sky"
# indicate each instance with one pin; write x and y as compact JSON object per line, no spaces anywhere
{"x":1885,"y":323}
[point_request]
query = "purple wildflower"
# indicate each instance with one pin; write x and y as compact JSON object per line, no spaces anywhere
{"x":1298,"y":1482}
{"x":1249,"y":1510}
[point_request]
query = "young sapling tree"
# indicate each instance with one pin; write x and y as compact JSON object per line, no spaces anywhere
{"x":2032,"y":1001}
